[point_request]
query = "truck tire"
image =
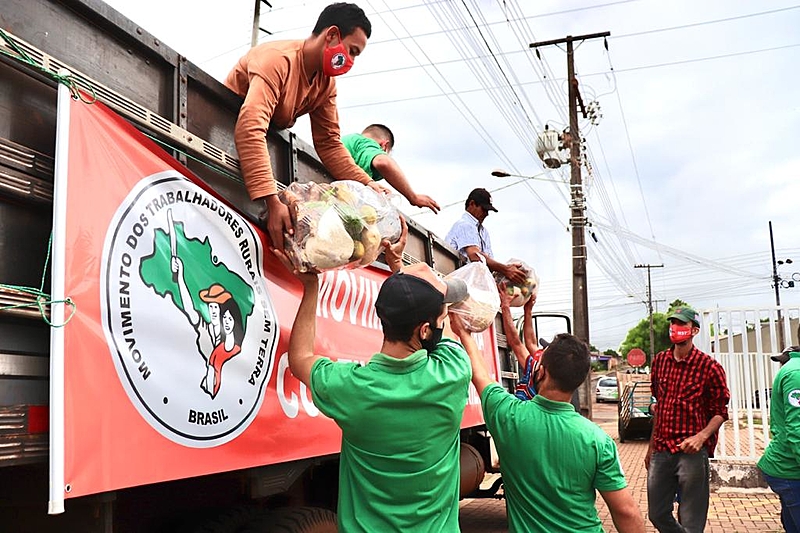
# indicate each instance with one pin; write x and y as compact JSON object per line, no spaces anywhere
{"x":295,"y":520}
{"x":230,"y":520}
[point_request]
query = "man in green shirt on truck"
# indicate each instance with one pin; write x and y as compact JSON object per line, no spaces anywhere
{"x":370,"y":150}
{"x":781,"y":460}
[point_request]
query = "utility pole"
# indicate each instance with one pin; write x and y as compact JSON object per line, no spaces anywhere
{"x":257,"y":23}
{"x":650,"y":307}
{"x":776,"y":281}
{"x":580,"y":297}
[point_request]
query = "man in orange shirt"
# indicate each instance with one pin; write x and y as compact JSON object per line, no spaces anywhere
{"x":283,"y":80}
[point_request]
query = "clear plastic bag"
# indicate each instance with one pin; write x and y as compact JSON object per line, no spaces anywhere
{"x":478,"y":310}
{"x":337,"y":225}
{"x":520,"y":293}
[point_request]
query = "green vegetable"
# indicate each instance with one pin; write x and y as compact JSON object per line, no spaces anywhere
{"x":351,"y":218}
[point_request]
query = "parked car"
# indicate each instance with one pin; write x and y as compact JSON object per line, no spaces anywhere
{"x":607,"y":390}
{"x":757,"y":395}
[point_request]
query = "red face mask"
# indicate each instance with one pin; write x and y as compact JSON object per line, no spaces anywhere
{"x":335,"y":60}
{"x":679,"y":333}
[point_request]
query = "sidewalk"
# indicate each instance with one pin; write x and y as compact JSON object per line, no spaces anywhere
{"x":730,"y":511}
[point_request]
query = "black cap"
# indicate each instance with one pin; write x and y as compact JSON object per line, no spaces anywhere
{"x":482,"y":198}
{"x":543,"y":343}
{"x":783,"y":357}
{"x":416,"y":294}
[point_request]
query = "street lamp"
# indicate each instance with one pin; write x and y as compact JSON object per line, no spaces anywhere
{"x":500,"y":173}
{"x":778,"y":282}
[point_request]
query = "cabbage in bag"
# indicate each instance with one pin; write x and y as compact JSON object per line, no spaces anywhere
{"x":337,"y":225}
{"x":520,"y":293}
{"x":478,"y":310}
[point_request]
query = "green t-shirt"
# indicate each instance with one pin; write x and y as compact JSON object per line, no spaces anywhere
{"x":363,"y":150}
{"x":782,"y":457}
{"x":552,"y":460}
{"x":400,"y":419}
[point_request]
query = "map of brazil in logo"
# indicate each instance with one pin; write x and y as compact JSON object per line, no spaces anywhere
{"x":187,"y":317}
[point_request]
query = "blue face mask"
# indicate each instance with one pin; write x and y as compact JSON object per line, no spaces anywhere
{"x":431,"y":343}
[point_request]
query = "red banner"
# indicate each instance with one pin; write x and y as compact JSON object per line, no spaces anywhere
{"x":175,"y":361}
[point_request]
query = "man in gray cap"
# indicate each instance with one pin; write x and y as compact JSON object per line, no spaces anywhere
{"x":692,"y":397}
{"x":469,"y":236}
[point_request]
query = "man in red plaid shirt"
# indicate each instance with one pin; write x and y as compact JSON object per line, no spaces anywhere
{"x":691,"y":404}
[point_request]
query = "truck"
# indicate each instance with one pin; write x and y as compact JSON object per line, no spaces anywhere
{"x":84,"y":446}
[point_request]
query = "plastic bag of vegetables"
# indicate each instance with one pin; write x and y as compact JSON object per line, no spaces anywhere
{"x":520,"y":293}
{"x":478,"y":310}
{"x":337,"y":225}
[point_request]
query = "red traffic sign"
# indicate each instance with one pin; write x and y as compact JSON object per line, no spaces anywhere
{"x":636,"y":357}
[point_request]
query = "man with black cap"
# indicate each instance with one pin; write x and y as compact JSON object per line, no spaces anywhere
{"x":469,"y":236}
{"x":400,"y":413}
{"x":692,"y":397}
{"x":780,"y":463}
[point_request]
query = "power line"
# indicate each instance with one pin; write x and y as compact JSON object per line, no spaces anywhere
{"x":701,"y":59}
{"x":696,"y":24}
{"x":503,"y":72}
{"x":630,"y":69}
{"x":633,"y":156}
{"x":428,"y":34}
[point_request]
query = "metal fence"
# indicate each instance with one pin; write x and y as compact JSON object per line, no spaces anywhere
{"x":743,"y":340}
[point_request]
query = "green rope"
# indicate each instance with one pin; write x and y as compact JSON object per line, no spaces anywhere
{"x":215,"y":168}
{"x":74,"y":88}
{"x":42,"y":298}
{"x":70,"y":81}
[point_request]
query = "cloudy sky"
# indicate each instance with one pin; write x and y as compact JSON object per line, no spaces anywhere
{"x":695,"y":149}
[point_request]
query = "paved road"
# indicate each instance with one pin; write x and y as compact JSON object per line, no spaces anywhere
{"x":729,"y":512}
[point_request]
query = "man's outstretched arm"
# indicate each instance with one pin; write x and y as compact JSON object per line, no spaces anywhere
{"x":512,"y":272}
{"x":528,"y":333}
{"x":304,"y":329}
{"x":510,"y":329}
{"x":480,"y":374}
{"x":624,"y":511}
{"x":390,"y":170}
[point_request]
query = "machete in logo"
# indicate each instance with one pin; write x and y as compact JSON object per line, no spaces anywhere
{"x":187,"y":316}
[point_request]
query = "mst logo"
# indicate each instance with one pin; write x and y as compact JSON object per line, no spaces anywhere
{"x":186,"y":313}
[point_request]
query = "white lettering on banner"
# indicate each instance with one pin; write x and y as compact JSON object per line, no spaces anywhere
{"x":337,"y":311}
{"x":169,"y":243}
{"x":472,"y":397}
{"x":341,"y":291}
{"x":290,"y":400}
{"x":479,"y":340}
{"x":289,"y":404}
{"x":308,"y":403}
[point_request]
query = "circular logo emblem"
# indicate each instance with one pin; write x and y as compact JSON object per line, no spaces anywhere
{"x":794,"y":398}
{"x":338,"y":60}
{"x":187,"y":316}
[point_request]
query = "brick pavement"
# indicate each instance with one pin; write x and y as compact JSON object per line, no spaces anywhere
{"x":730,"y":511}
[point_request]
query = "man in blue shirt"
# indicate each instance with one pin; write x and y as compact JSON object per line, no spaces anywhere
{"x":469,"y":236}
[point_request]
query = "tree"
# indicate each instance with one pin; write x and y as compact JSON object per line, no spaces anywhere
{"x":611,"y":352}
{"x":639,"y":336}
{"x":676,"y":303}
